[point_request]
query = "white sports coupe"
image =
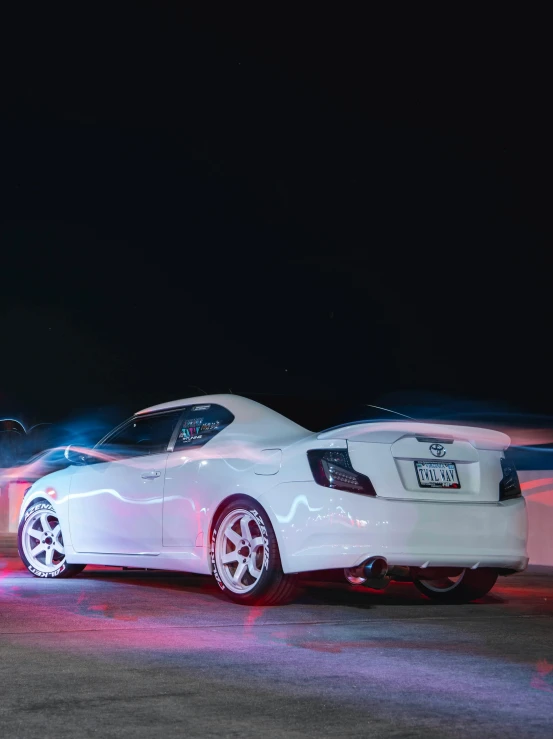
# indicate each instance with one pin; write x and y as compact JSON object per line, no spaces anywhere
{"x":223,"y":485}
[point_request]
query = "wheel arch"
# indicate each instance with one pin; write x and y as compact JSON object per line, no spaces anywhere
{"x":230,"y":499}
{"x":30,"y":503}
{"x":32,"y":499}
{"x":222,"y":504}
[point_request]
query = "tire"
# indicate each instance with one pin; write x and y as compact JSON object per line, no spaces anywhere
{"x":245,"y":557}
{"x":47,"y":544}
{"x":470,"y":585}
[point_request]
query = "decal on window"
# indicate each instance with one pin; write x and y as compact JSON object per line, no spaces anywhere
{"x":186,"y":436}
{"x":197,"y":429}
{"x":205,"y":428}
{"x":193,"y":422}
{"x":191,"y":430}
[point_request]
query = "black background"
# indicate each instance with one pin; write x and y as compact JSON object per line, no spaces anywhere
{"x":330,"y":201}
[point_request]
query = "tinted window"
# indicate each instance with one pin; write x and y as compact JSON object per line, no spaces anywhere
{"x":143,"y":435}
{"x":201,"y":423}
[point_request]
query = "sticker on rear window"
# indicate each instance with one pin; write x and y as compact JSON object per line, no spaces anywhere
{"x":211,"y":426}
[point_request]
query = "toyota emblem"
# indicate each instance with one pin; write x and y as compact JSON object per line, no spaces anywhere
{"x":437,"y":450}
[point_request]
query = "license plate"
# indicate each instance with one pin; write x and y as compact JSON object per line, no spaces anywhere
{"x":437,"y":475}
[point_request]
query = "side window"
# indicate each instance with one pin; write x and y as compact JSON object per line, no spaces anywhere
{"x":201,"y":423}
{"x":143,"y":435}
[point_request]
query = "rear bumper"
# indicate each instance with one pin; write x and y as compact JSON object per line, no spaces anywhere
{"x":318,"y":528}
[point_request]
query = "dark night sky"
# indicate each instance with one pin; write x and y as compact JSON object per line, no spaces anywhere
{"x":273,"y":203}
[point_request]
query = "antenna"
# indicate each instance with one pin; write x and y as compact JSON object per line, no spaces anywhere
{"x":380,"y":408}
{"x":199,"y":388}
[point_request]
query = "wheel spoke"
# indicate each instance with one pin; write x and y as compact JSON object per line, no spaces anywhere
{"x":258,"y":542}
{"x":38,"y":549}
{"x":49,"y":556}
{"x":56,"y":531}
{"x":239,"y":572}
{"x":230,"y":557}
{"x":45,"y":524}
{"x":244,"y":528}
{"x":58,"y":546}
{"x":35,"y":534}
{"x":252,"y":569}
{"x":232,"y":536}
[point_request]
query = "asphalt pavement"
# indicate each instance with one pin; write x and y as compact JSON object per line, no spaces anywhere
{"x":116,"y":653}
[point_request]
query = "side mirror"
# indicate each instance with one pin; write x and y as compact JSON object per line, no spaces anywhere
{"x":76,"y":456}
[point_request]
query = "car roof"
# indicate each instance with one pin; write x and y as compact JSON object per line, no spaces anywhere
{"x":244,"y":410}
{"x":226,"y":399}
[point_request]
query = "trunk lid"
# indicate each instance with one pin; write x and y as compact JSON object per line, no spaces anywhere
{"x":411,"y":460}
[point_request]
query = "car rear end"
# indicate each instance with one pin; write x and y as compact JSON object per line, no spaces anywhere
{"x":422,"y":496}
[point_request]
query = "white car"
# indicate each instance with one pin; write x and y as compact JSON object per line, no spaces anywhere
{"x":223,"y":485}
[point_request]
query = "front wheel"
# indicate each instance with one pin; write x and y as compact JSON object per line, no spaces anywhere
{"x":245,"y":557}
{"x":467,"y":586}
{"x":40,"y":543}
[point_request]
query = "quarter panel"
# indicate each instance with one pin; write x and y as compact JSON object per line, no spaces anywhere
{"x":199,"y":479}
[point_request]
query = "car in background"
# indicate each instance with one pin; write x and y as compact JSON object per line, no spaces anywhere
{"x":228,"y":486}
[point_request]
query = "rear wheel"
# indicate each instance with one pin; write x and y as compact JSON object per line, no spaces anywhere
{"x":245,"y":557}
{"x":468,"y":585}
{"x":40,"y":543}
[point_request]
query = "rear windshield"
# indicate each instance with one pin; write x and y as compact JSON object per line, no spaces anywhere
{"x":319,"y":414}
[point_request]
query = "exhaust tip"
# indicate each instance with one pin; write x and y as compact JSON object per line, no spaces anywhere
{"x":375,"y":568}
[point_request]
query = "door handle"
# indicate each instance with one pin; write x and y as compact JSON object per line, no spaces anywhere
{"x":151,"y":475}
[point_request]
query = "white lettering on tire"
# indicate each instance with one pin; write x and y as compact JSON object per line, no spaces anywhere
{"x":213,"y":563}
{"x":265,"y":536}
{"x":38,"y":573}
{"x":266,"y":551}
{"x":38,"y":506}
{"x":55,"y":573}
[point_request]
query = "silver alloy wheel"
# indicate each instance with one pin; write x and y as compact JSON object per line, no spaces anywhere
{"x":42,"y":541}
{"x":444,"y":584}
{"x":239,"y":551}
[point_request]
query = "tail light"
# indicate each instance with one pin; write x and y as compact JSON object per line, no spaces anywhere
{"x":332,"y":468}
{"x":509,"y":487}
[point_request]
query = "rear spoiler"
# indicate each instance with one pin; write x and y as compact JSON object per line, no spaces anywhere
{"x":388,"y":432}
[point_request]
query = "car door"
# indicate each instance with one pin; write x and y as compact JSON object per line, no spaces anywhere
{"x":115,"y":507}
{"x":196,"y":469}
